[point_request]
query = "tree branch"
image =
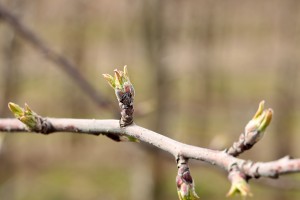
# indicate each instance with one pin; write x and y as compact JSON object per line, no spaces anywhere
{"x":239,"y":171}
{"x":106,"y":127}
{"x":66,"y":65}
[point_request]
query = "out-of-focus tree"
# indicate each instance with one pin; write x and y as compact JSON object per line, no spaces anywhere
{"x":287,"y":79}
{"x":153,"y":30}
{"x":11,"y":79}
{"x":205,"y":62}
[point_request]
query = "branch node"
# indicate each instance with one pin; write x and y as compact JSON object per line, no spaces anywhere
{"x":181,"y":160}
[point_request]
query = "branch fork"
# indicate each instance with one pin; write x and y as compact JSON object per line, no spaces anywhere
{"x":239,"y":171}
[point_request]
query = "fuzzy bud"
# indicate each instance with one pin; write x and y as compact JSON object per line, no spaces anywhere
{"x":239,"y":185}
{"x":25,"y":115}
{"x":185,"y":184}
{"x":257,"y":125}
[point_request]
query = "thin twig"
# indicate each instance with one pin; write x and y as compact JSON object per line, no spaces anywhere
{"x":66,"y":65}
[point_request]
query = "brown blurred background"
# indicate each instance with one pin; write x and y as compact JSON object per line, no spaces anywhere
{"x":199,"y":68}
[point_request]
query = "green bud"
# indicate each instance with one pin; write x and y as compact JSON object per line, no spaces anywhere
{"x":260,"y":109}
{"x":258,"y":124}
{"x":15,"y":109}
{"x":110,"y":80}
{"x":120,"y":82}
{"x":266,"y":120}
{"x":27,"y":116}
{"x":238,"y":185}
{"x":126,"y":138}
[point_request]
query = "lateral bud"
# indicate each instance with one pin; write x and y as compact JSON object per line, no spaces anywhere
{"x":239,"y":184}
{"x":185,"y":184}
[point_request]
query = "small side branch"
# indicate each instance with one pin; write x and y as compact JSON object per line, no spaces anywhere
{"x":273,"y":169}
{"x":51,"y":55}
{"x":254,"y":131}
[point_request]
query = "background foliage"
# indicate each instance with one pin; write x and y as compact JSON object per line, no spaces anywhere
{"x":199,"y":69}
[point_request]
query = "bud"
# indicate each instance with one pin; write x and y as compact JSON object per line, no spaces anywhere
{"x":185,"y":184}
{"x":27,"y":116}
{"x":121,"y":83}
{"x":15,"y":109}
{"x":126,"y":138}
{"x":121,"y":138}
{"x":110,"y":80}
{"x":125,"y":94}
{"x":239,"y":184}
{"x":258,"y":124}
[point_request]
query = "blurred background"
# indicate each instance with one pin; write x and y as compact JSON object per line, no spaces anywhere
{"x":199,"y":68}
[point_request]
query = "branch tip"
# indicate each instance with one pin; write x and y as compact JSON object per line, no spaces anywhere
{"x":124,"y":92}
{"x":25,"y":115}
{"x":254,"y":130}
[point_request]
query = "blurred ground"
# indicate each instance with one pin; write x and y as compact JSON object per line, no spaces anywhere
{"x":199,"y":68}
